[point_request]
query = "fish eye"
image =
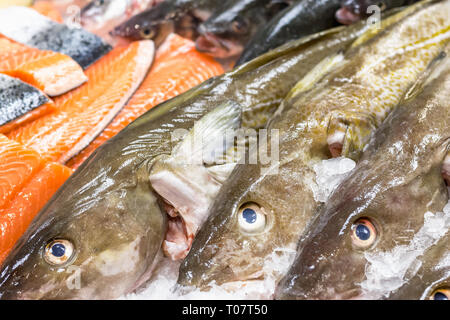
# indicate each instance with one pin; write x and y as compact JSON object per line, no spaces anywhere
{"x":147,"y":33}
{"x":441,"y":294}
{"x":251,"y":218}
{"x":382,"y":6}
{"x":100,"y":2}
{"x":58,"y":252}
{"x":239,"y":25}
{"x":364,"y":233}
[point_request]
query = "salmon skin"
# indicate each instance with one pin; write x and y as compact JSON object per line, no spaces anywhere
{"x":52,"y":72}
{"x":27,"y":182}
{"x":17,"y":98}
{"x":27,"y":26}
{"x":83,"y":113}
{"x":177,"y":68}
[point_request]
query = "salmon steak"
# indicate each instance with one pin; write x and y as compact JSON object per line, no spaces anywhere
{"x":33,"y":29}
{"x":52,"y":72}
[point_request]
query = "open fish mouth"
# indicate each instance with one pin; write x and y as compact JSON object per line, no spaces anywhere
{"x":346,"y":16}
{"x":218,"y":47}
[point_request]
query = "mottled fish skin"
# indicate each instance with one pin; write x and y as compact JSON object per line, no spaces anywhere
{"x":233,"y":23}
{"x":408,"y":149}
{"x":302,"y":18}
{"x":107,"y":208}
{"x":370,"y":81}
{"x":354,"y":10}
{"x":17,"y":98}
{"x":180,"y":16}
{"x":432,"y":277}
{"x":27,"y":26}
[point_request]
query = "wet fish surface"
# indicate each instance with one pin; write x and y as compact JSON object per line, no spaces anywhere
{"x":432,"y":280}
{"x":107,"y":217}
{"x":373,"y":228}
{"x":233,"y":23}
{"x":27,"y":26}
{"x":355,"y":10}
{"x":263,"y":209}
{"x":302,"y":18}
{"x":156,"y":23}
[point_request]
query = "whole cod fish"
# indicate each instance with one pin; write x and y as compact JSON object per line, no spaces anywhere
{"x":232,"y":24}
{"x":100,"y":235}
{"x":365,"y":241}
{"x":302,"y":18}
{"x":262,"y":211}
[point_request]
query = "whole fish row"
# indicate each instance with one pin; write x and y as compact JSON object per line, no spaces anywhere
{"x":376,"y":94}
{"x":245,"y":29}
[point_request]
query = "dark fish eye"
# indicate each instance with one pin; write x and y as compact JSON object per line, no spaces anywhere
{"x":58,"y":252}
{"x":58,"y":249}
{"x":364,"y":233}
{"x":382,"y":6}
{"x":239,"y":25}
{"x":251,"y":218}
{"x":249,"y":215}
{"x":147,"y":33}
{"x":441,"y":294}
{"x":100,"y":2}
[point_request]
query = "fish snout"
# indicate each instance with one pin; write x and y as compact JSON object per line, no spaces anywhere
{"x":346,"y":16}
{"x":217,"y":47}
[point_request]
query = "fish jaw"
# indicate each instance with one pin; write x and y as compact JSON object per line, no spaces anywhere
{"x":218,"y":47}
{"x":224,"y":253}
{"x":105,"y":227}
{"x":189,"y":190}
{"x":345,"y":16}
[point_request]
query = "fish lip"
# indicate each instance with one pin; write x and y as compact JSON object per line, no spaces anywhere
{"x":212,"y":39}
{"x":346,"y":16}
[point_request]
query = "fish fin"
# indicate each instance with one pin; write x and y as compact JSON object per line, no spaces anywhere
{"x":389,"y":20}
{"x":348,"y":133}
{"x":207,"y":141}
{"x":433,"y":70}
{"x":313,"y":76}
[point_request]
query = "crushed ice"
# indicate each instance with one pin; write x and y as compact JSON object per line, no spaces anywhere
{"x":388,"y":271}
{"x":329,"y":174}
{"x":385,"y":271}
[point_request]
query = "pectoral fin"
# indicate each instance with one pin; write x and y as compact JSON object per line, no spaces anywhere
{"x":348,"y":133}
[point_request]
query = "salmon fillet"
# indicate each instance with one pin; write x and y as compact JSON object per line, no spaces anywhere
{"x":177,"y":68}
{"x":84,"y":112}
{"x":27,"y":182}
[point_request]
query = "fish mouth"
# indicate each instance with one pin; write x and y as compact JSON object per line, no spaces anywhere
{"x":346,"y":16}
{"x":218,"y":47}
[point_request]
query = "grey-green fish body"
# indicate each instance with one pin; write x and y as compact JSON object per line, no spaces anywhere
{"x":354,"y":10}
{"x":233,"y":23}
{"x":302,"y":18}
{"x":396,"y":182}
{"x":354,"y":98}
{"x":432,"y":279}
{"x":107,"y":209}
{"x":181,"y":16}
